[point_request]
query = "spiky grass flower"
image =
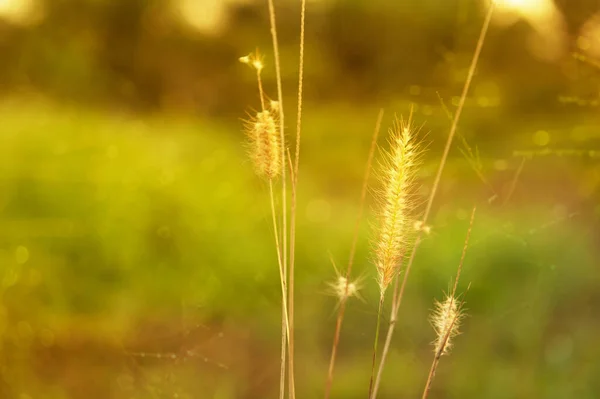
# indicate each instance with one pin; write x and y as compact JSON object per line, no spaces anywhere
{"x":265,"y":145}
{"x":398,"y":174}
{"x":342,"y":287}
{"x":399,"y":168}
{"x":446,"y":319}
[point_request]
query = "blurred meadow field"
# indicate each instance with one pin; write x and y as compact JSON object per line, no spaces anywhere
{"x":136,"y":245}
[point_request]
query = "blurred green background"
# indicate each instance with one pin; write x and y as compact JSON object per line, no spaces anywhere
{"x":136,"y":253}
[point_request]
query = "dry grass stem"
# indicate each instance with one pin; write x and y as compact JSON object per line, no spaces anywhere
{"x":267,"y":151}
{"x":513,"y":183}
{"x":375,"y":342}
{"x":292,"y":390}
{"x":284,"y":313}
{"x":401,"y":287}
{"x":284,"y":276}
{"x":346,"y":282}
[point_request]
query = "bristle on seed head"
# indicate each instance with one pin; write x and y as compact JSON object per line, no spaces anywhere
{"x":265,"y":145}
{"x":446,"y":319}
{"x":399,"y":169}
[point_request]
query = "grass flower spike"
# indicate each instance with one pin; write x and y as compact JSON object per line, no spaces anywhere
{"x":265,"y":145}
{"x":445,"y":320}
{"x":342,"y":287}
{"x":399,"y":169}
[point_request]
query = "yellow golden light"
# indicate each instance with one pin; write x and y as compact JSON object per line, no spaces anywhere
{"x":529,"y":8}
{"x":21,"y":12}
{"x":548,"y":39}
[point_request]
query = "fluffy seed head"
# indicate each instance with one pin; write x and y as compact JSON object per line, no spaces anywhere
{"x":445,"y":320}
{"x":253,"y":60}
{"x":245,"y":59}
{"x":338,"y":288}
{"x":420,"y":226}
{"x":395,"y":210}
{"x":265,"y":146}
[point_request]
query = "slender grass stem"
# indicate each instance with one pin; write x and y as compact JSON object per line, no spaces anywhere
{"x":436,"y":361}
{"x":292,"y":390}
{"x":284,"y":275}
{"x":285,"y":319}
{"x":461,"y":104}
{"x":342,"y":308}
{"x":261,"y":91}
{"x":513,"y":183}
{"x":449,"y":331}
{"x":375,"y":342}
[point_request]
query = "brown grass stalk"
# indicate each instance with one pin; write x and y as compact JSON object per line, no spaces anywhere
{"x":344,"y":298}
{"x":401,"y":287}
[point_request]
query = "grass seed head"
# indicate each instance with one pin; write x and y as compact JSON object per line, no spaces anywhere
{"x":396,"y":201}
{"x":265,"y":146}
{"x":446,"y":319}
{"x":338,"y":288}
{"x":253,"y":60}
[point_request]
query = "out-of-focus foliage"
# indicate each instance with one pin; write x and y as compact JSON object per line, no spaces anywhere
{"x":140,"y":54}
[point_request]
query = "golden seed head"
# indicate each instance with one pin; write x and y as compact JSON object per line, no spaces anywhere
{"x":420,"y":226}
{"x":265,"y":146}
{"x":446,"y":319}
{"x":254,"y":60}
{"x":396,"y":202}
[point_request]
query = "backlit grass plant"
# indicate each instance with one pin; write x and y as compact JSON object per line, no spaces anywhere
{"x":399,"y":228}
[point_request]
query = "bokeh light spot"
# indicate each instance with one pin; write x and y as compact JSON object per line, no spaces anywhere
{"x":541,"y":138}
{"x":21,"y":255}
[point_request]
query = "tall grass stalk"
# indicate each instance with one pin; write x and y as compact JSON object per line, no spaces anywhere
{"x":399,"y":167}
{"x":292,"y":390}
{"x":285,"y":330}
{"x":344,"y":298}
{"x":398,"y":295}
{"x":447,"y":317}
